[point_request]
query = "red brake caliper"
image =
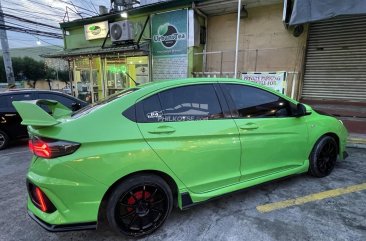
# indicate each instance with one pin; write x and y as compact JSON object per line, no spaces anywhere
{"x":138,"y":196}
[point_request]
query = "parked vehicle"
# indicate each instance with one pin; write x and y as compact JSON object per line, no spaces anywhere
{"x":10,"y":127}
{"x":133,"y":157}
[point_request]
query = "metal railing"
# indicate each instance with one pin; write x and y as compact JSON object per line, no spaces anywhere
{"x":220,"y":64}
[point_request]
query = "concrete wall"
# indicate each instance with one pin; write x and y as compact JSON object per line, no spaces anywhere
{"x":265,"y":44}
{"x":43,"y":85}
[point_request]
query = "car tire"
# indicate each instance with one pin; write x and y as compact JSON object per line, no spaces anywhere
{"x":4,"y":140}
{"x":323,"y":157}
{"x":139,"y":205}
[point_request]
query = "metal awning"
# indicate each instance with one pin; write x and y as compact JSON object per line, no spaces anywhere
{"x":131,"y":50}
{"x":306,"y":11}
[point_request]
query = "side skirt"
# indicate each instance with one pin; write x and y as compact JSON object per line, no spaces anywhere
{"x":193,"y":199}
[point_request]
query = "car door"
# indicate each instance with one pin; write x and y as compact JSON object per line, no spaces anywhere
{"x":187,"y":127}
{"x":272,"y":140}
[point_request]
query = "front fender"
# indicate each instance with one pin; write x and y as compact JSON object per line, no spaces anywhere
{"x":320,"y":125}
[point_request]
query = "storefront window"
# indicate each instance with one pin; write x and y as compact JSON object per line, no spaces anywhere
{"x":95,"y":78}
{"x":138,"y":68}
{"x":116,"y":78}
{"x":87,"y":79}
{"x":123,"y":71}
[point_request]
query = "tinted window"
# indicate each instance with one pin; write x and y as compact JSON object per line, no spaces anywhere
{"x":149,"y":110}
{"x":4,"y":104}
{"x":19,"y":97}
{"x":194,"y":102}
{"x":101,"y":103}
{"x":251,"y":102}
{"x":63,"y":100}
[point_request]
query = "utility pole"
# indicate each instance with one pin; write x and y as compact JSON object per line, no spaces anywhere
{"x":6,"y":53}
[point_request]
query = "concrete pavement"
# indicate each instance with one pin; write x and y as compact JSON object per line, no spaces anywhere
{"x":234,"y":217}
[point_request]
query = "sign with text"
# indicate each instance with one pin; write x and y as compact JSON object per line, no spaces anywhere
{"x":96,"y":30}
{"x":272,"y":80}
{"x":169,"y":45}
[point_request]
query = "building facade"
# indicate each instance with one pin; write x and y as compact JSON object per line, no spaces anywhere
{"x":111,"y":52}
{"x":320,"y":63}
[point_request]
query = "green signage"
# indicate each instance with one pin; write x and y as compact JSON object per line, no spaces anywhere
{"x":170,"y":45}
{"x":118,"y":69}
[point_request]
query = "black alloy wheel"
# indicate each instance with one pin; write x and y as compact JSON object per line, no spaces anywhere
{"x":139,"y":209}
{"x":323,"y":157}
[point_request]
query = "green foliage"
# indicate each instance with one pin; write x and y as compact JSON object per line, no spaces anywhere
{"x":27,"y":68}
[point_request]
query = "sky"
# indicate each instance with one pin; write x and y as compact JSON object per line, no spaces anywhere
{"x":50,"y":12}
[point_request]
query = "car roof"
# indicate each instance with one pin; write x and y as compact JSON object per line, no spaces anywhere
{"x":16,"y":91}
{"x":28,"y":91}
{"x":177,"y":82}
{"x":156,"y":85}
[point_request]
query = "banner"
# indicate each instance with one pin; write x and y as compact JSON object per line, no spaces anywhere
{"x":274,"y":81}
{"x":169,"y":45}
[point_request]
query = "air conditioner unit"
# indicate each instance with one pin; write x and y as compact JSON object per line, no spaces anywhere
{"x":121,"y":31}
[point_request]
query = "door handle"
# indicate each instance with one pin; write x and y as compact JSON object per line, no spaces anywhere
{"x":162,"y":130}
{"x":249,"y":126}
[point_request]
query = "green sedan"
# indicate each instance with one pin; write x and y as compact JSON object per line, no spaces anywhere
{"x":128,"y":160}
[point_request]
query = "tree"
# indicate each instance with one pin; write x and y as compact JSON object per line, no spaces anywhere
{"x":31,"y":70}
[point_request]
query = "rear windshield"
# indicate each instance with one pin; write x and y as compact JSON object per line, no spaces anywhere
{"x":99,"y":104}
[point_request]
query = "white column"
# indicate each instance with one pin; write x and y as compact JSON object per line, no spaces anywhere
{"x":237,"y":41}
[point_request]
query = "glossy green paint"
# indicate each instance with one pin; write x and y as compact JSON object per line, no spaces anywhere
{"x":34,"y":115}
{"x":204,"y":158}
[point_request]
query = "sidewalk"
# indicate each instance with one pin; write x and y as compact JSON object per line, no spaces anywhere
{"x":356,"y":140}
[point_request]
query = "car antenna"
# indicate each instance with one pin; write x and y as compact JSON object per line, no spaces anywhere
{"x":129,"y":76}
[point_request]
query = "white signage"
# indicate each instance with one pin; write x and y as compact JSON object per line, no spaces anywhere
{"x":274,"y":81}
{"x":96,"y":30}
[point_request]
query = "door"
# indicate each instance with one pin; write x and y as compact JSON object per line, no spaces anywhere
{"x":335,"y":70}
{"x":187,"y":128}
{"x":272,"y":141}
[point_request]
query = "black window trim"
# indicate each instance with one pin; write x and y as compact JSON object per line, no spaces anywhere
{"x":232,"y":107}
{"x":219,"y":95}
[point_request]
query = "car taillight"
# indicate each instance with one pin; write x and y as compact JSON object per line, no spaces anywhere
{"x":50,"y":148}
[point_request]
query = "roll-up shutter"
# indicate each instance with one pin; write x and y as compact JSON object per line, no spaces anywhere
{"x":335,"y":66}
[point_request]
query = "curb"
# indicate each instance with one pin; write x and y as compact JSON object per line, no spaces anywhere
{"x":356,"y":143}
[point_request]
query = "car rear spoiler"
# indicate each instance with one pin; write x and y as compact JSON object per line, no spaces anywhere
{"x":33,"y":115}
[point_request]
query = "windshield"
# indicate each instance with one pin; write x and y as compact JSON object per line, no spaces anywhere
{"x":87,"y":109}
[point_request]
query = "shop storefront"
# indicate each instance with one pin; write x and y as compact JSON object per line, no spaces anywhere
{"x":97,"y":77}
{"x":109,"y":53}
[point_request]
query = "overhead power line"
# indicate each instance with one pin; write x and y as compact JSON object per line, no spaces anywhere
{"x":74,"y":5}
{"x":31,"y":31}
{"x":54,"y":8}
{"x":92,"y":4}
{"x":27,"y":5}
{"x":29,"y":21}
{"x":22,"y":26}
{"x":34,"y":12}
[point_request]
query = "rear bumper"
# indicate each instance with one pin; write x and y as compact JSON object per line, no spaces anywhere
{"x":63,"y":228}
{"x":75,"y":196}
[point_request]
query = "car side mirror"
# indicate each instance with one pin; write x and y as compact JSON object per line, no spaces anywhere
{"x":75,"y":106}
{"x":300,"y":110}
